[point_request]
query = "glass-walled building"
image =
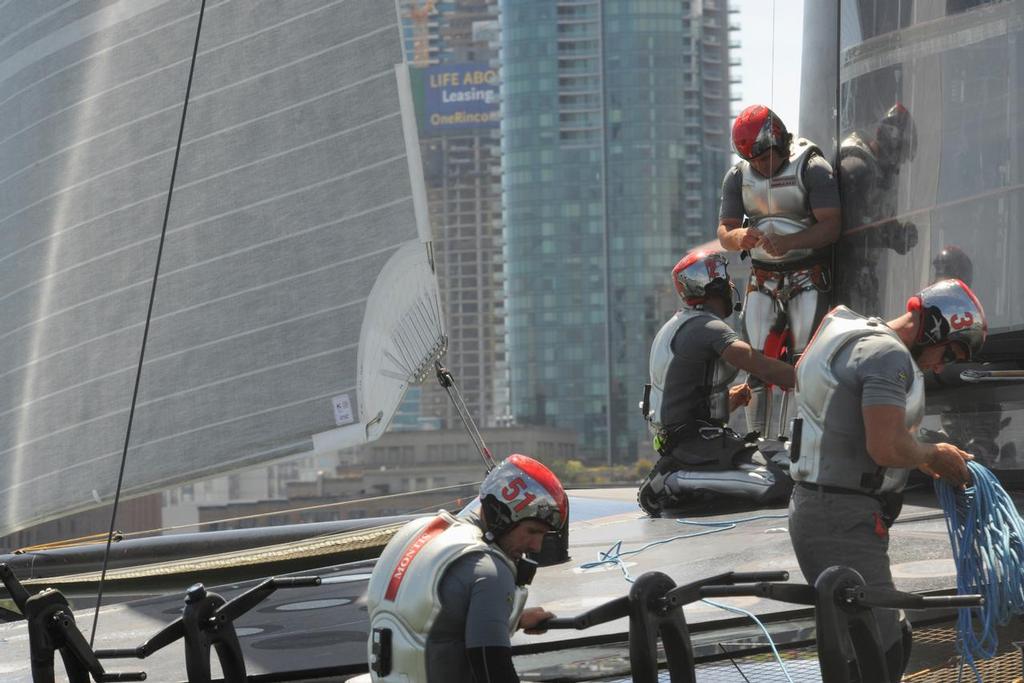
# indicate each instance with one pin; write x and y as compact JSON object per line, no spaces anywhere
{"x":929,"y":144}
{"x":614,"y":142}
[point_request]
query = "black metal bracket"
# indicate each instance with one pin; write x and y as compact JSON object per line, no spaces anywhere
{"x":654,"y":607}
{"x":208,"y":622}
{"x":849,"y":644}
{"x":52,"y":629}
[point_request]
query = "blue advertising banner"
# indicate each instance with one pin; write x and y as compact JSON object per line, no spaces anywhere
{"x":459,"y":96}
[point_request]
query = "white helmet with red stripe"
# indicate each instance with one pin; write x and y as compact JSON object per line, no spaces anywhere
{"x":701,"y":274}
{"x":522,"y":488}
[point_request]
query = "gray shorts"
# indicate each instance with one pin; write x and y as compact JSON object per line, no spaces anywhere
{"x":829,"y":529}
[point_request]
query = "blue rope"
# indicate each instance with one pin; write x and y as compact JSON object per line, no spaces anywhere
{"x":615,"y":553}
{"x":740,"y":610}
{"x":987,"y":536}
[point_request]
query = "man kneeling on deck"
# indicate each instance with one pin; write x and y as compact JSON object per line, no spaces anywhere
{"x":694,"y":357}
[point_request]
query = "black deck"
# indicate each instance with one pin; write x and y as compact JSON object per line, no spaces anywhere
{"x":320,"y":630}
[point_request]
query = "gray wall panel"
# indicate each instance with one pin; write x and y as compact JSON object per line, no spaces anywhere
{"x":281,"y":219}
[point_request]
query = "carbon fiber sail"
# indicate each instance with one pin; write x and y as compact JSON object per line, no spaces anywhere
{"x":295,"y":294}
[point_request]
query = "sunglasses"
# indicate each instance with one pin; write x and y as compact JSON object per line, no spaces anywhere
{"x":953,"y":353}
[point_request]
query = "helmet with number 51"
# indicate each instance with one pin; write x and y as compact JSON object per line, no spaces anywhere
{"x":518,"y":489}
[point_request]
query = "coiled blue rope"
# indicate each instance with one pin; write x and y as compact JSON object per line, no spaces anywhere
{"x":987,"y":536}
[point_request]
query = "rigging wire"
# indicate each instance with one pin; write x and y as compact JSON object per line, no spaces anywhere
{"x":447,"y":381}
{"x":149,"y":317}
{"x":987,"y":537}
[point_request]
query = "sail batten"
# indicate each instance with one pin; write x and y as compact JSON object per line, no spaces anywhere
{"x":297,"y":238}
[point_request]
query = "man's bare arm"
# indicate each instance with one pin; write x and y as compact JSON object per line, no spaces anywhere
{"x":890,"y":444}
{"x":739,"y":354}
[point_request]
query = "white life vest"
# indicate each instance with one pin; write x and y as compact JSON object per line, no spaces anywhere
{"x":403,"y":593}
{"x":783,"y":196}
{"x":722,"y":374}
{"x":816,"y":387}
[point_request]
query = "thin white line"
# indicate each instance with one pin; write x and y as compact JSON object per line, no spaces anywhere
{"x":294,"y":105}
{"x":96,"y":54}
{"x":175,"y":106}
{"x":94,"y":96}
{"x":75,"y":226}
{"x":39,"y":19}
{"x":35,"y":163}
{"x":290,"y":193}
{"x":209,"y":135}
{"x":86,"y":181}
{"x":117,"y":453}
{"x":195,"y":224}
{"x":300,"y":60}
{"x":280,"y":238}
{"x":256,"y":288}
{"x":167,"y":356}
{"x":202,"y":303}
{"x":121,"y":411}
{"x":285,"y":152}
{"x":195,"y":98}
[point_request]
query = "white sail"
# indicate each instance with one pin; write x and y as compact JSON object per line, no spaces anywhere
{"x":296,"y":236}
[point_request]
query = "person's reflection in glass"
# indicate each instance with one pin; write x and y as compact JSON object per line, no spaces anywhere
{"x":972,"y":427}
{"x":952,"y":262}
{"x":869,"y":165}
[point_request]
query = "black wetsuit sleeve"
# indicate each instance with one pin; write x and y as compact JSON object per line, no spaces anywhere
{"x":492,"y":665}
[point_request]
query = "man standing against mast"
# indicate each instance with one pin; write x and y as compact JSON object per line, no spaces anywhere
{"x":780,"y":203}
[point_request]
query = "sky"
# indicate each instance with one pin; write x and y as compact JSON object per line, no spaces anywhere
{"x":781,"y":93}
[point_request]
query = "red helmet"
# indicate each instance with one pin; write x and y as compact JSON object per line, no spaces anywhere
{"x":522,"y":488}
{"x":756,"y":130}
{"x":950,"y":312}
{"x":701,"y":274}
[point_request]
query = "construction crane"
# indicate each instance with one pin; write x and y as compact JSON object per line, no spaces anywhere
{"x":419,"y":14}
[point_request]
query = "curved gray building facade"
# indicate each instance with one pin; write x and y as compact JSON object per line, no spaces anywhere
{"x":292,"y":190}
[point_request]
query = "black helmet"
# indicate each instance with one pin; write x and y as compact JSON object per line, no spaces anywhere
{"x":952,"y":262}
{"x":896,"y":136}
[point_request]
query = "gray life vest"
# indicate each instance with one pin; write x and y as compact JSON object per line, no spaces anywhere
{"x":718,"y":374}
{"x":783,"y":196}
{"x":816,"y":386}
{"x":407,"y":606}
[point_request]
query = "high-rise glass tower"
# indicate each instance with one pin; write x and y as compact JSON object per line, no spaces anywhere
{"x":614,"y":142}
{"x":453,"y":45}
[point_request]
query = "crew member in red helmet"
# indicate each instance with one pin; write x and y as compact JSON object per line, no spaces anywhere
{"x":694,"y":358}
{"x":860,"y":394}
{"x":448,"y":592}
{"x":780,"y":203}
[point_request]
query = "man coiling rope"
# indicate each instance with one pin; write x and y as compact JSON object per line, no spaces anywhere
{"x":987,"y":536}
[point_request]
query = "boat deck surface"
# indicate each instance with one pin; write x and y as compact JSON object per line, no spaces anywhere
{"x":320,"y":629}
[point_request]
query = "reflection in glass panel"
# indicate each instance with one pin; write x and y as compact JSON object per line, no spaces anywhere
{"x":929,"y":157}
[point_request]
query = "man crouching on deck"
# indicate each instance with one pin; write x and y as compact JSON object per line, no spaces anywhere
{"x":694,"y":358}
